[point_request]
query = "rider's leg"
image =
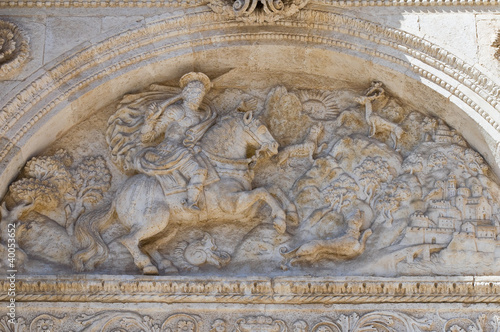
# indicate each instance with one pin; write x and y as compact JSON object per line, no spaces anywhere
{"x":197,"y":176}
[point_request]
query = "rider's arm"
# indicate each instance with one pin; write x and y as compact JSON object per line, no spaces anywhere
{"x":155,"y":127}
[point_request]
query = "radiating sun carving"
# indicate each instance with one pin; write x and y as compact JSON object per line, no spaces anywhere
{"x":319,"y":105}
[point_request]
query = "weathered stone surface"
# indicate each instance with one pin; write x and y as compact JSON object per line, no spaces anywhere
{"x":63,"y":33}
{"x":277,"y":166}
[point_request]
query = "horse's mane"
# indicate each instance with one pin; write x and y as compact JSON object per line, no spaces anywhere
{"x":226,"y":126}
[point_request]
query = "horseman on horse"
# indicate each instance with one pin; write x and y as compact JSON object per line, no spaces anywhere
{"x":182,"y":122}
{"x":176,"y":150}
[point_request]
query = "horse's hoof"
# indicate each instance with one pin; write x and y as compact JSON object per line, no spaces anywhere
{"x":164,"y":264}
{"x":170,"y":270}
{"x":280,"y":225}
{"x":150,"y":270}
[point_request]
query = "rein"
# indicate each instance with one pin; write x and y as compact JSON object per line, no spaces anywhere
{"x":236,"y":162}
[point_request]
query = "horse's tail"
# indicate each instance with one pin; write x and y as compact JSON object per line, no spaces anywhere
{"x":93,"y":250}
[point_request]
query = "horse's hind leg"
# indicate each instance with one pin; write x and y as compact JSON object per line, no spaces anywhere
{"x":131,"y":241}
{"x":152,"y":249}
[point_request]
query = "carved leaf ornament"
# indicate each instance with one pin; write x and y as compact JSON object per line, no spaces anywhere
{"x":257,"y":10}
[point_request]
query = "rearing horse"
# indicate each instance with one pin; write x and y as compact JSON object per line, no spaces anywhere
{"x":142,"y":207}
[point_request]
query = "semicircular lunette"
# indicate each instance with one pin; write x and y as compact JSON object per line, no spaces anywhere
{"x":202,"y":180}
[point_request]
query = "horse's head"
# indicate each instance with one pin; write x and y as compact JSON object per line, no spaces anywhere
{"x":258,"y":135}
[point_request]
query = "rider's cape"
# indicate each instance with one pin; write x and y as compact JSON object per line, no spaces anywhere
{"x":128,"y":151}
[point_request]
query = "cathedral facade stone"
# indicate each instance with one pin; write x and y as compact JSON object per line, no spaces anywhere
{"x":250,"y":165}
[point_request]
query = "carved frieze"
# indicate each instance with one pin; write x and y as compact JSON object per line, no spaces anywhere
{"x":14,"y":49}
{"x":182,"y":322}
{"x":337,"y":182}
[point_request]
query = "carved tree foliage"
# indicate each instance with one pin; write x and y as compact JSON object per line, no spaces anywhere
{"x":52,"y":185}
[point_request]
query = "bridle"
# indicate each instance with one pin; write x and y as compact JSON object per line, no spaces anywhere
{"x":249,"y":127}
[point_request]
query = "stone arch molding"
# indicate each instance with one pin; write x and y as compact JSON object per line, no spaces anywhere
{"x":55,"y":89}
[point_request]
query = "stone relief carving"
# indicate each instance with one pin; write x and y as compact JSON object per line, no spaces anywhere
{"x":177,"y":173}
{"x":462,"y":73}
{"x":257,"y":10}
{"x":44,"y":322}
{"x":260,"y":323}
{"x":48,"y":200}
{"x":131,"y":321}
{"x":496,"y":45}
{"x":343,"y":182}
{"x":14,"y":49}
{"x":219,"y":325}
{"x":182,"y":322}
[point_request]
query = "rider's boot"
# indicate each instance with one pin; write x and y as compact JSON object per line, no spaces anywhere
{"x":193,"y":195}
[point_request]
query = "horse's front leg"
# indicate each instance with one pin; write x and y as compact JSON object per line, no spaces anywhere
{"x":242,"y":201}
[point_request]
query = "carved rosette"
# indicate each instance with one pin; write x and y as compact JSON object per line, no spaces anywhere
{"x":251,"y":11}
{"x":14,"y":49}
